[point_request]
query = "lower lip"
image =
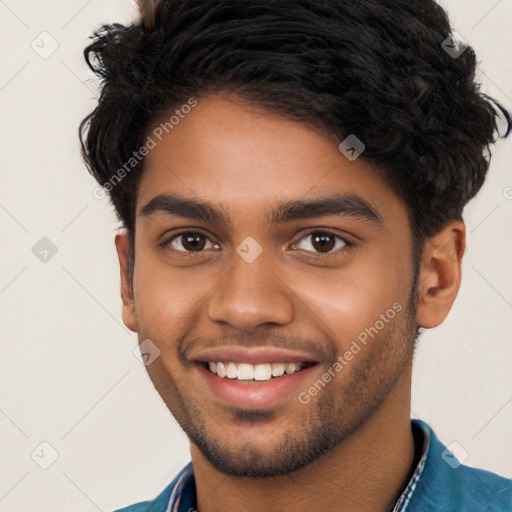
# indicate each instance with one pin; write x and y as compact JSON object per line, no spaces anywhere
{"x":260,"y":393}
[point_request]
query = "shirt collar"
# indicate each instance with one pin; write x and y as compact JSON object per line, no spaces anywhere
{"x":183,"y":494}
{"x":423,"y":436}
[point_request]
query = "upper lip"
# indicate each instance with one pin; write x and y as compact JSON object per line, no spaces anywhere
{"x":258,"y":355}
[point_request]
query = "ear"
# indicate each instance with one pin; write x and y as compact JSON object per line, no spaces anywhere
{"x":124,"y":254}
{"x":440,"y":274}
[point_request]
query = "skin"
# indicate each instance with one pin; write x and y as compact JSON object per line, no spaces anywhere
{"x":351,"y":446}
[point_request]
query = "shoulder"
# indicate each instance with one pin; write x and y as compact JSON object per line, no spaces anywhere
{"x":486,"y":489}
{"x":181,"y":489}
{"x":159,"y":504}
{"x":446,"y":485}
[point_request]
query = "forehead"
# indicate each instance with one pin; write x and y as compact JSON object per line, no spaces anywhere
{"x":247,"y":160}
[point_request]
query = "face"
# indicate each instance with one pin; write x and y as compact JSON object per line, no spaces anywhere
{"x":260,"y":248}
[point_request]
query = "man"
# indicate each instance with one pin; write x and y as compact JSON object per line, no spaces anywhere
{"x":291,"y":178}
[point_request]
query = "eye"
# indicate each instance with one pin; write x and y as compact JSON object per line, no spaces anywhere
{"x":188,"y":242}
{"x":318,"y":241}
{"x":323,"y":242}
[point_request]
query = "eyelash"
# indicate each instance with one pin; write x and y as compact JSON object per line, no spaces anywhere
{"x":165,"y":244}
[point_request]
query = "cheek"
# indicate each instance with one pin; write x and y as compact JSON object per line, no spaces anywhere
{"x":348,"y":302}
{"x":166,"y":299}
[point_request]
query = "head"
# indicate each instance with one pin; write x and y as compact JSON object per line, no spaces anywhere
{"x":223,"y":136}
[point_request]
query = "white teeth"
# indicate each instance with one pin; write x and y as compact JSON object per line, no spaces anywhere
{"x":262,"y":372}
{"x":278,"y":369}
{"x":291,"y":368}
{"x":231,"y":372}
{"x":247,"y":371}
{"x":221,"y":370}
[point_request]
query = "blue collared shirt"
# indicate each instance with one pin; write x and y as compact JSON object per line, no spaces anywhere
{"x":440,"y":483}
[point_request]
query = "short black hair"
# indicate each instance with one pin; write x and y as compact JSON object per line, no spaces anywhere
{"x":376,"y":69}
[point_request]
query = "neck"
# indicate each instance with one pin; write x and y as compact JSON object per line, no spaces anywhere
{"x":366,"y":472}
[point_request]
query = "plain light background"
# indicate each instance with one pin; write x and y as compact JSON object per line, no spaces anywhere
{"x":69,"y":376}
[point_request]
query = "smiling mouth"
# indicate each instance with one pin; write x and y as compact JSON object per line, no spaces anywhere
{"x":253,"y":372}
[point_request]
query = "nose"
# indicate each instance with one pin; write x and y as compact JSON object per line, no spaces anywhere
{"x":251,"y":295}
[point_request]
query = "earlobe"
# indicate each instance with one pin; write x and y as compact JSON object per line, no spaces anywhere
{"x":122,"y":242}
{"x":440,"y":274}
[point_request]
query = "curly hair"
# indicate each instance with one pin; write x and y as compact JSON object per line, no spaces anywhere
{"x":373,"y":68}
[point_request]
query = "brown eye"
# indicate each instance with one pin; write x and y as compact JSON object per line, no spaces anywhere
{"x":322,"y":242}
{"x":193,"y":242}
{"x":189,"y":241}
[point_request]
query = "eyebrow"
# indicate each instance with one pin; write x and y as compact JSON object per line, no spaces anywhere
{"x":349,"y":205}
